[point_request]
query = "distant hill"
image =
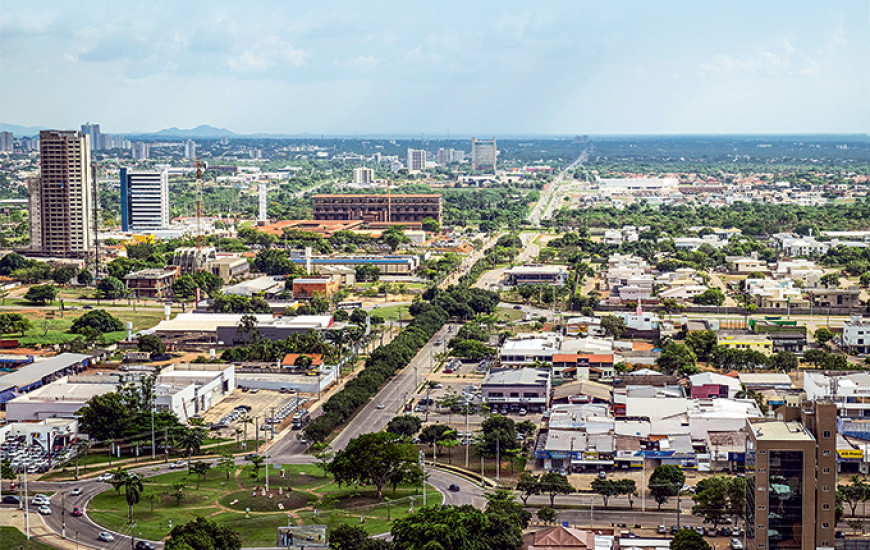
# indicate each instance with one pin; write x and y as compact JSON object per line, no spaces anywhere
{"x":19,"y":131}
{"x":201,"y":131}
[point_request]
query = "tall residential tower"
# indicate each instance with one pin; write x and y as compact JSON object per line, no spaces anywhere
{"x":144,"y":199}
{"x":484,"y":155}
{"x":61,"y":199}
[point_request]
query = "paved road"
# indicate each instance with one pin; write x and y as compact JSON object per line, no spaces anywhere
{"x":543,"y":208}
{"x":374,"y":417}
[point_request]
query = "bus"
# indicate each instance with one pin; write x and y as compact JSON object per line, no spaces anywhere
{"x":300,"y":419}
{"x":349,"y":305}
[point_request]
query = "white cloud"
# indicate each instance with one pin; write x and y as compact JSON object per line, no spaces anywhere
{"x":267,"y":53}
{"x":363,"y":63}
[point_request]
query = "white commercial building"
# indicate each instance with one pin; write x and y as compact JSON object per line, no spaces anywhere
{"x":520,"y":351}
{"x":363,"y":176}
{"x":189,"y":390}
{"x":856,"y":335}
{"x":416,"y":160}
{"x":144,"y":199}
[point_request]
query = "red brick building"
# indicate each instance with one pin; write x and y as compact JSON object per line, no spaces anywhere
{"x":378,"y":208}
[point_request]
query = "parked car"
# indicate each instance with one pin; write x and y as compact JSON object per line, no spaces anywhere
{"x":735,"y":544}
{"x":674,"y":529}
{"x":662,"y":530}
{"x":78,"y":512}
{"x":106,"y":536}
{"x":735,"y":531}
{"x":699,"y":529}
{"x":712,"y":531}
{"x":725,"y":531}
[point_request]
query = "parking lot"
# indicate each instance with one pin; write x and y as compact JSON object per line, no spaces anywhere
{"x":263,"y":405}
{"x":32,"y":459}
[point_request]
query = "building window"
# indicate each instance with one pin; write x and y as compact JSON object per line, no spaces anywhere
{"x":762,"y":452}
{"x":826,"y":470}
{"x":826,"y":488}
{"x":826,"y":434}
{"x":826,"y":452}
{"x":825,"y":525}
{"x":826,"y":506}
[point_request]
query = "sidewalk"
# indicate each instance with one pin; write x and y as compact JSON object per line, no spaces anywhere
{"x":38,"y":530}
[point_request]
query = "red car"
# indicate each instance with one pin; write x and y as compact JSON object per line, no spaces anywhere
{"x":78,"y":511}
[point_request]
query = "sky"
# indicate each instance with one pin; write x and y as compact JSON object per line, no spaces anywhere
{"x":439,"y":68}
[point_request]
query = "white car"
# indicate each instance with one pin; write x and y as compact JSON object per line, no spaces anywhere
{"x":736,"y":544}
{"x":178,"y":464}
{"x":106,"y":536}
{"x":76,"y":492}
{"x":381,"y":405}
{"x":45,"y":510}
{"x":105,"y":477}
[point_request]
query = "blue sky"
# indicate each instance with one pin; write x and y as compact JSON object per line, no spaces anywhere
{"x":473,"y":67}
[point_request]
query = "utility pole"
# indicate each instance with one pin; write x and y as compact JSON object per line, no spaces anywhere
{"x":153,"y":442}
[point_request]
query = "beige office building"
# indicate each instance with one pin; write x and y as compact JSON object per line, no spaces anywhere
{"x":61,"y":199}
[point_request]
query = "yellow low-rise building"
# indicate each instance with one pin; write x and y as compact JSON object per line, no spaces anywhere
{"x":757,"y":343}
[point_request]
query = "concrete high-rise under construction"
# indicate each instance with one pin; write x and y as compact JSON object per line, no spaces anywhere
{"x":61,"y":198}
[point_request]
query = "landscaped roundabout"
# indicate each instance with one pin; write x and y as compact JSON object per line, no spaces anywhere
{"x":235,"y":497}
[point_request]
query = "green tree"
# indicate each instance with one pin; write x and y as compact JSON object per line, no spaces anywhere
{"x":41,"y":294}
{"x":111,"y":288}
{"x":184,"y":288}
{"x":85,"y":277}
{"x":554,"y":483}
{"x":190,"y":439}
{"x":606,"y":488}
{"x":677,"y":358}
{"x":710,"y":297}
{"x":394,"y":236}
{"x":855,"y":492}
{"x":547,"y":514}
{"x":203,"y":534}
{"x":103,"y":416}
{"x":208,"y":282}
{"x":717,"y":497}
{"x":499,"y":435}
{"x":367,"y":272}
{"x":701,"y":342}
{"x":150,"y":343}
{"x":431,"y":225}
{"x":132,"y":485}
{"x":404,"y":425}
{"x":303,"y":362}
{"x":273,"y":261}
{"x":613,"y":326}
{"x":665,"y":482}
{"x":864,"y":279}
{"x":688,"y":539}
{"x":6,"y":471}
{"x":200,"y":469}
{"x":354,"y":537}
{"x":823,"y":335}
{"x":374,"y":459}
{"x":256,"y":464}
{"x":62,"y":275}
{"x":830,"y":280}
{"x":97,"y":319}
{"x":784,"y":361}
{"x":12,"y":323}
{"x":527,"y":486}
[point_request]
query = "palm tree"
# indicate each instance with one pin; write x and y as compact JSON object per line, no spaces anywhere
{"x":190,"y":439}
{"x":132,"y":484}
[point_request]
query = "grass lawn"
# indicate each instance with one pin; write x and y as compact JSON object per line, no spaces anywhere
{"x":229,"y":501}
{"x":13,"y":538}
{"x":509,"y":314}
{"x":49,"y":328}
{"x":391,"y":313}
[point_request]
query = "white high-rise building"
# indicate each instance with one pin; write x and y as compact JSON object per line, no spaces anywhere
{"x":7,"y":144}
{"x":484,"y":154}
{"x":144,"y":199}
{"x":190,"y":150}
{"x":416,"y":160}
{"x":263,"y":203}
{"x":61,"y":199}
{"x":141,"y":150}
{"x":363,"y":176}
